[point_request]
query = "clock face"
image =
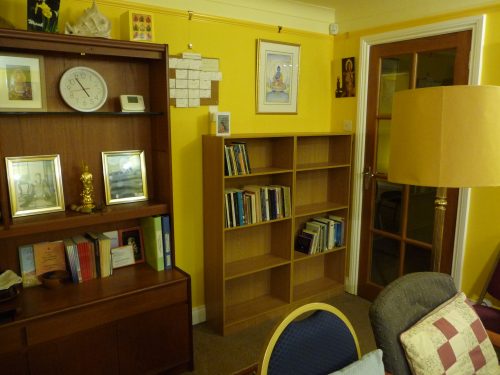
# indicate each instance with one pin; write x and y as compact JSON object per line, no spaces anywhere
{"x":83,"y":89}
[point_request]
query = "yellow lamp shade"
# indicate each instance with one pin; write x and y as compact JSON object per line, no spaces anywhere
{"x":447,"y":136}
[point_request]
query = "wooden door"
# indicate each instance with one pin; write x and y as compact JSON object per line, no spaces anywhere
{"x":397,"y":220}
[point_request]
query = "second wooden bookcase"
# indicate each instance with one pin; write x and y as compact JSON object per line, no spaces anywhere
{"x":253,"y":272}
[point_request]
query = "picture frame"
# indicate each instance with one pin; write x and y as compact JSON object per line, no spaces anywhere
{"x":277,"y":76}
{"x":22,"y":83}
{"x":138,"y":26}
{"x":222,"y":124}
{"x":35,"y":184}
{"x":133,"y":237}
{"x":124,"y":176}
{"x":348,"y":77}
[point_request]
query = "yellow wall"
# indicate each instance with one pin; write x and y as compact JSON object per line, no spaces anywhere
{"x":234,"y":43}
{"x":483,"y":235}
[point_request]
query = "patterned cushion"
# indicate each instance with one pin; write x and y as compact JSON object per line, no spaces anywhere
{"x":450,"y":340}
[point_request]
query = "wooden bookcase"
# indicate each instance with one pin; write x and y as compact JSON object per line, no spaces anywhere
{"x":253,"y":272}
{"x":138,"y":320}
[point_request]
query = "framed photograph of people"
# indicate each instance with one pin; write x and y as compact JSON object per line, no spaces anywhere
{"x":277,"y":77}
{"x":22,"y":85}
{"x":133,"y":237}
{"x":35,"y":184}
{"x":223,"y":124}
{"x":124,"y":176}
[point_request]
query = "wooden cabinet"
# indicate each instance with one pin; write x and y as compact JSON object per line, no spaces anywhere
{"x":96,"y":326}
{"x":252,"y":272}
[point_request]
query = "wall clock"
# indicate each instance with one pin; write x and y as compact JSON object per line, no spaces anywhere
{"x":83,"y":89}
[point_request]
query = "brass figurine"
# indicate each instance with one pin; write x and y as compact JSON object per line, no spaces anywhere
{"x":87,"y":205}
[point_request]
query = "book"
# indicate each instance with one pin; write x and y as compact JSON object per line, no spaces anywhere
{"x":49,"y":256}
{"x":330,"y":232}
{"x":256,"y":195}
{"x":153,"y":241}
{"x":303,"y":243}
{"x":113,"y":238}
{"x":73,"y":260}
{"x":84,"y":254}
{"x":167,"y":246}
{"x":27,"y":264}
{"x":92,"y":236}
{"x":103,"y":243}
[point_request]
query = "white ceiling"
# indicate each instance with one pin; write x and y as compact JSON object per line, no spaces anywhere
{"x":317,"y":15}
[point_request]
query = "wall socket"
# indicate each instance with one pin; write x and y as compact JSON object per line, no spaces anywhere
{"x":347,"y":125}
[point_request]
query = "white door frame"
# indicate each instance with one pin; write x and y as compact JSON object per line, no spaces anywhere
{"x":476,"y":25}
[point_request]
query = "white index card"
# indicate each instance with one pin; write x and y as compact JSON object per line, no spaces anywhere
{"x":182,"y":64}
{"x":181,"y":73}
{"x":181,"y":83}
{"x":195,"y":64}
{"x":171,"y":83}
{"x":181,"y":103}
{"x":194,"y":94}
{"x":205,"y":84}
{"x":173,"y":93}
{"x":205,"y":75}
{"x":205,"y":94}
{"x":191,"y":55}
{"x":210,"y":65}
{"x":172,"y":62}
{"x":193,"y":84}
{"x":194,"y":102}
{"x":193,"y":74}
{"x":181,"y":93}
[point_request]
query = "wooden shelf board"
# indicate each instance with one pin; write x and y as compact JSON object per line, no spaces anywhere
{"x":324,"y":165}
{"x":252,"y":308}
{"x":76,"y":113}
{"x":315,"y":287}
{"x":262,"y":171}
{"x":69,"y":219}
{"x":38,"y":301}
{"x":254,"y":264}
{"x":318,"y":208}
{"x":267,"y":222}
{"x":299,"y":256}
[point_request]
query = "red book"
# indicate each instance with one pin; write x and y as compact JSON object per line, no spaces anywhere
{"x":83,"y":247}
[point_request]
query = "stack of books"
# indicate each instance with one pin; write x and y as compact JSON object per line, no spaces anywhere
{"x":255,"y":203}
{"x":321,"y":234}
{"x":236,"y":159}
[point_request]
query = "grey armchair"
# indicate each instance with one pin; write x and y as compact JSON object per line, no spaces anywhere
{"x":399,"y":306}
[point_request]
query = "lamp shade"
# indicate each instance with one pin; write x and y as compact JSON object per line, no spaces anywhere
{"x":446,"y":136}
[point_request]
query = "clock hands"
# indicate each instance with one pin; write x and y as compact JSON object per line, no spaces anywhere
{"x":83,"y":88}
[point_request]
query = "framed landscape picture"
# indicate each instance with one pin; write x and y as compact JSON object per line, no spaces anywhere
{"x":277,"y":77}
{"x":124,"y":176}
{"x":35,"y":184}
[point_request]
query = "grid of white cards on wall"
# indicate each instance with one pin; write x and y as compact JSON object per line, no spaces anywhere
{"x":193,"y":78}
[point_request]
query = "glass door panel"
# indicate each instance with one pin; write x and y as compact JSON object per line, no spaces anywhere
{"x":395,"y":76}
{"x":385,"y":260}
{"x":417,"y":259}
{"x":421,"y":213}
{"x":436,"y":68}
{"x":383,"y":138}
{"x":388,"y":206}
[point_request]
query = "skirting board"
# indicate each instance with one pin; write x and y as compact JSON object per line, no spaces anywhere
{"x":198,"y":314}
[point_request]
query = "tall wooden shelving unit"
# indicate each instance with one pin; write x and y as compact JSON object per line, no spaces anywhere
{"x":138,"y":320}
{"x":253,"y":272}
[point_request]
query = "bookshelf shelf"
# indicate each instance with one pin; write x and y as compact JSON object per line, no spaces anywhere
{"x":94,"y":325}
{"x":252,"y":271}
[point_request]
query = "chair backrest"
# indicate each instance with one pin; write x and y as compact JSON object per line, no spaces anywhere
{"x":492,"y":285}
{"x":318,"y":344}
{"x":399,"y":306}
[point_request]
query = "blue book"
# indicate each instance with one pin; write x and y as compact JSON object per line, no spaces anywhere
{"x":167,"y":246}
{"x":27,"y":263}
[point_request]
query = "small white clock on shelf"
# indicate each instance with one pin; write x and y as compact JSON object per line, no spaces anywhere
{"x":83,"y":89}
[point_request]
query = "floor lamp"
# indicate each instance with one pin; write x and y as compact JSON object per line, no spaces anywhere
{"x":447,"y":137}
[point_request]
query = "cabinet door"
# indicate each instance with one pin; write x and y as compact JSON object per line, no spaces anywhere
{"x":13,"y":364}
{"x":90,"y":352}
{"x":155,"y":341}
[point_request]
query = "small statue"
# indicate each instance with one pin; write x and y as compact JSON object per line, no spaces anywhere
{"x":87,"y":205}
{"x":91,"y":23}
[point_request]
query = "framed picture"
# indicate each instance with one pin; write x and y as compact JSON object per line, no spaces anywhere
{"x":348,"y":77}
{"x":133,"y":237}
{"x":35,"y":184}
{"x":223,"y":123}
{"x":137,"y":26}
{"x":22,"y":86}
{"x":124,"y":176}
{"x":277,"y":77}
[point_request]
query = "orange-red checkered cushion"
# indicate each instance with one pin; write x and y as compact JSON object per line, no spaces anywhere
{"x":450,"y":340}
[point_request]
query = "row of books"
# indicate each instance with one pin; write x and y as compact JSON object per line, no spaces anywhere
{"x":95,"y":255}
{"x":255,"y":203}
{"x":236,"y":159}
{"x":321,"y":234}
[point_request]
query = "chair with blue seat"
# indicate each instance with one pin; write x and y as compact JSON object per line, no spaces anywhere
{"x":320,"y":343}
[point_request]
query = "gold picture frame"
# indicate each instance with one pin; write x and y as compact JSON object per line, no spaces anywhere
{"x":22,"y":83}
{"x":124,"y":176}
{"x":277,"y":77}
{"x":35,"y":184}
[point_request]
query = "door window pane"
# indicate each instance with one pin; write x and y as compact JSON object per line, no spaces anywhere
{"x":436,"y":68}
{"x":417,"y":259}
{"x":421,"y":213}
{"x":383,"y":138}
{"x":388,"y":206}
{"x":385,"y":260}
{"x":395,"y":77}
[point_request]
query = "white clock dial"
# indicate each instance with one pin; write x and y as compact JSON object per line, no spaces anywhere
{"x":83,"y":89}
